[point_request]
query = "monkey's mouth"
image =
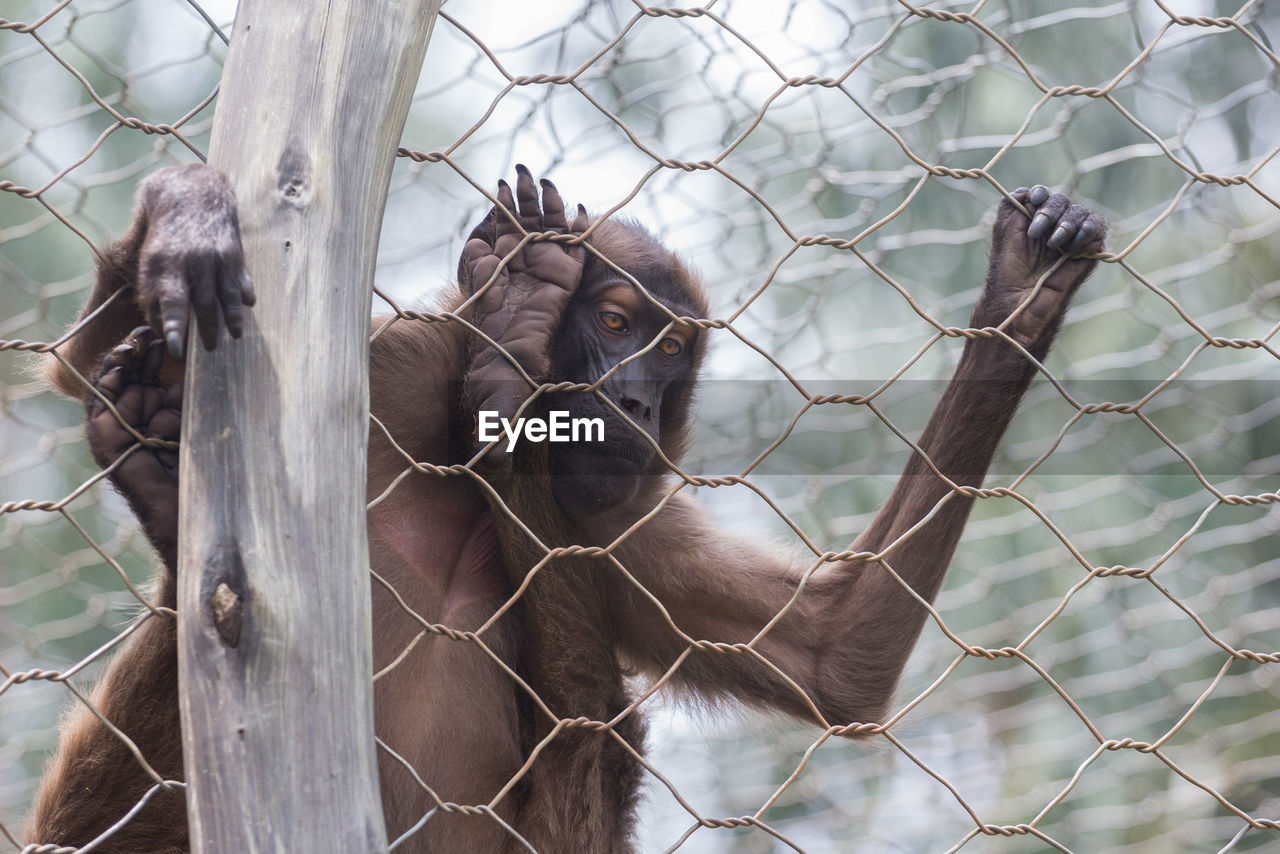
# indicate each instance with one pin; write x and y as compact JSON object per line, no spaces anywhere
{"x":585,"y":460}
{"x":588,"y":481}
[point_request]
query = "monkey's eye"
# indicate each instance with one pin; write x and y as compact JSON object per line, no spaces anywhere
{"x":614,"y":321}
{"x":669,"y":347}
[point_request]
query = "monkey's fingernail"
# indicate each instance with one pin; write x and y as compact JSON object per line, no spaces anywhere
{"x":1038,"y":194}
{"x":173,"y":340}
{"x":1019,"y":191}
{"x":1038,"y":226}
{"x":523,"y":170}
{"x":1059,"y":237}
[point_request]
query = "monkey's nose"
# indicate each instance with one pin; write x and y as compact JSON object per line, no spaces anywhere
{"x":636,"y":408}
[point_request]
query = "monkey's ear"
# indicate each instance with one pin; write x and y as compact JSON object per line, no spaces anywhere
{"x":485,"y":231}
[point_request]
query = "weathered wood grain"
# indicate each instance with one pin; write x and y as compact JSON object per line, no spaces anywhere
{"x":274,"y":633}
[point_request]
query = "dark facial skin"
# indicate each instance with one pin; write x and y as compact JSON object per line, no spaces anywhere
{"x":607,"y":321}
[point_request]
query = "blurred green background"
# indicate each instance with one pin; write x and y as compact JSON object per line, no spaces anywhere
{"x":1200,"y":258}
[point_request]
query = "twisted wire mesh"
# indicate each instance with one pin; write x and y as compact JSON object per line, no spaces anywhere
{"x":1099,"y":672}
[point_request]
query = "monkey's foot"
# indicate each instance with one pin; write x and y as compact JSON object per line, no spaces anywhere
{"x":1037,"y":263}
{"x":146,"y":407}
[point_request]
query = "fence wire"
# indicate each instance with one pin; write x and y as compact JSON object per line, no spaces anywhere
{"x":1100,"y":670}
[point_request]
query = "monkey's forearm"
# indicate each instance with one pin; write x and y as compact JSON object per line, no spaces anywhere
{"x":846,"y":637}
{"x":872,"y":619}
{"x":960,"y":439}
{"x":117,"y":275}
{"x":1029,"y":284}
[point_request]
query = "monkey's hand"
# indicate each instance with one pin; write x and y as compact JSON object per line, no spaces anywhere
{"x":190,"y":262}
{"x":130,"y":379}
{"x":523,"y":292}
{"x":1037,"y":265}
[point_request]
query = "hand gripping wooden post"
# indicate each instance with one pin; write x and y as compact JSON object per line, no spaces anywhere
{"x":274,"y":626}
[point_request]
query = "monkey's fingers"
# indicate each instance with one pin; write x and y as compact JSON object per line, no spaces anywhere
{"x":108,"y":437}
{"x":110,"y":378}
{"x":1050,"y":210}
{"x":503,"y":220}
{"x":235,"y":291}
{"x":207,"y":288}
{"x":580,"y":223}
{"x":129,"y":379}
{"x":494,"y":293}
{"x":203,"y":292}
{"x":152,"y":355}
{"x":1090,"y":237}
{"x":169,"y":310}
{"x":138,"y":358}
{"x":1068,"y":227}
{"x":553,"y":218}
{"x":166,"y":422}
{"x":527,"y":197}
{"x":232,"y":286}
{"x":474,"y":250}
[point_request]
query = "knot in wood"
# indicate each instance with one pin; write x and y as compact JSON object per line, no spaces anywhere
{"x":228,"y":614}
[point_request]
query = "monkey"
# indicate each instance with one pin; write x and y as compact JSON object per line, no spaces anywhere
{"x":609,"y":325}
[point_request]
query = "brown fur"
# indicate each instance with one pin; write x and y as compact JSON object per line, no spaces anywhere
{"x":98,"y":780}
{"x":581,"y":792}
{"x":447,"y":707}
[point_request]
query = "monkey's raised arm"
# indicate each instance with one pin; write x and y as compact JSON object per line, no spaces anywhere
{"x":525,"y":291}
{"x":847,"y":635}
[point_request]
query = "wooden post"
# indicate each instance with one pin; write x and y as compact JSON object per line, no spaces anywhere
{"x":274,"y":627}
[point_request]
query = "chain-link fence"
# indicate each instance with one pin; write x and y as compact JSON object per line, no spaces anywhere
{"x":1100,"y":675}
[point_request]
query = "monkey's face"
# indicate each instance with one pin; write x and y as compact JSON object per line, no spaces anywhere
{"x":612,"y":328}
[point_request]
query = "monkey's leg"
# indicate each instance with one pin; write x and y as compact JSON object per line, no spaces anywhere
{"x":134,"y":378}
{"x":95,"y":779}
